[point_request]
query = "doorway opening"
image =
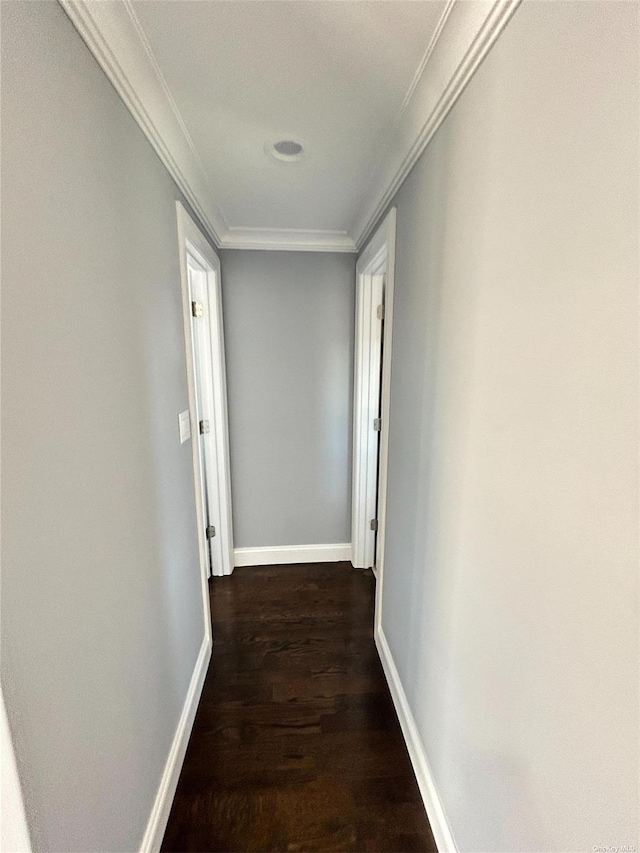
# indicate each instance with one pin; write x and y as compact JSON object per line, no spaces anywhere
{"x":206,"y":379}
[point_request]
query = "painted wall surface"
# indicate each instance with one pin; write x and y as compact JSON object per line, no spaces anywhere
{"x":289,"y":328}
{"x":101,"y":601}
{"x":510,"y":597}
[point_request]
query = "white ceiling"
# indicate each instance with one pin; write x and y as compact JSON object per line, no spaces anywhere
{"x":333,"y":75}
{"x":363,"y":84}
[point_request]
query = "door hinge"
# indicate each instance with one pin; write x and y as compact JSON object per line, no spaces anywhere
{"x":204,"y":427}
{"x":374,"y":524}
{"x":211,"y":531}
{"x":377,"y":424}
{"x":196,"y":309}
{"x":380,"y":312}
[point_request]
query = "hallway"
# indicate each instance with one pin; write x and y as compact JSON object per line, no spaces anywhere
{"x":307,"y":303}
{"x":296,"y":745}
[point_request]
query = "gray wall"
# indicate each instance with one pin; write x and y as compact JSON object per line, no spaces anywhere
{"x":511,"y":568}
{"x":101,"y":603}
{"x":289,"y":328}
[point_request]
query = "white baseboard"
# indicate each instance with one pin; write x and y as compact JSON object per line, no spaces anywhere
{"x":271,"y":556}
{"x":164,"y":798}
{"x":432,"y":803}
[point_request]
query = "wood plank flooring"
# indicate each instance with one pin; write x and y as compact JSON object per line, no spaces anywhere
{"x":296,"y":746}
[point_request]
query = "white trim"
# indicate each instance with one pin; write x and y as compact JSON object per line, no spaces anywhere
{"x":272,"y":556}
{"x":114,"y":35}
{"x":14,"y":832}
{"x":426,"y":56}
{"x":366,"y":408}
{"x":287,"y":240}
{"x":379,"y":254}
{"x":191,"y":239}
{"x":463,"y":37}
{"x":152,"y":839}
{"x":387,"y":230}
{"x":433,"y":804}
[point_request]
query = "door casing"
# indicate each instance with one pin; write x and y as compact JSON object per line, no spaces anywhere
{"x":372,"y":379}
{"x":192,"y":243}
{"x":204,"y":382}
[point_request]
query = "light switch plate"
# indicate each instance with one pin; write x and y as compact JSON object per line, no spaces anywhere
{"x":184,"y":424}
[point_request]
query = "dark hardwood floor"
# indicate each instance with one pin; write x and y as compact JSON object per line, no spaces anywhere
{"x":296,"y":745}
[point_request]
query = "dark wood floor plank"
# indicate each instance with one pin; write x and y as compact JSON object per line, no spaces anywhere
{"x":296,"y":747}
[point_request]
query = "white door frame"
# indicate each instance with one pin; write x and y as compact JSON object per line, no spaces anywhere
{"x":198,"y":271}
{"x":192,"y":242}
{"x":371,"y":385}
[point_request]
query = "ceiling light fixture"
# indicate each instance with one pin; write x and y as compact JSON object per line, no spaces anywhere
{"x":286,"y":150}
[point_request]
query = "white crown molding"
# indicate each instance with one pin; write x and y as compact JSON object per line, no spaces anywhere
{"x":287,"y":240}
{"x":464,"y":35}
{"x":113,"y":34}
